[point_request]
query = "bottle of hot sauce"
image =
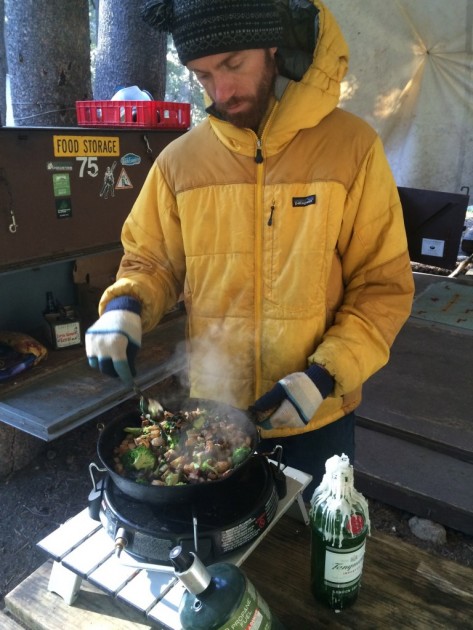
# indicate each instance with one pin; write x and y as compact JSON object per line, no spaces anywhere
{"x":339,"y":522}
{"x":218,"y":597}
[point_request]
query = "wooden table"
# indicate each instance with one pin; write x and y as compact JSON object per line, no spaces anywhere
{"x":403,"y":587}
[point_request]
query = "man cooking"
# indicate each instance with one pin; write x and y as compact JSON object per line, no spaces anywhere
{"x":279,"y":220}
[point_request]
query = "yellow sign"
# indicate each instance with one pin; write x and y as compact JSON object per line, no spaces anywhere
{"x":86,"y":146}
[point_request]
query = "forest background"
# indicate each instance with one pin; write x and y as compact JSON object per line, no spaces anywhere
{"x":55,"y":52}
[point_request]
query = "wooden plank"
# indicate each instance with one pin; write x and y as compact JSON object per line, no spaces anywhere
{"x":7,"y":623}
{"x":415,"y":479}
{"x":424,"y":393}
{"x":38,"y":609}
{"x":425,"y":388}
{"x":402,"y":587}
{"x":414,"y":431}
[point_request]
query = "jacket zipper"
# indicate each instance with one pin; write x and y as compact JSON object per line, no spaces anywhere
{"x":259,"y":152}
{"x":259,"y":218}
{"x":259,"y":213}
{"x":273,"y":208}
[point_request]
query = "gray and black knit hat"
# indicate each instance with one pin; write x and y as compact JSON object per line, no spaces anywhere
{"x":208,"y":27}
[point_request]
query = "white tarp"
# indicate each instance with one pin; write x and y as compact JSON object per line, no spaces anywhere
{"x":411,"y":78}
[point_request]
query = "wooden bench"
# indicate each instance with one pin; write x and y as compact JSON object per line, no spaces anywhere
{"x":414,"y":434}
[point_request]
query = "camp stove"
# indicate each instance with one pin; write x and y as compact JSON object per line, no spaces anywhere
{"x":85,"y":550}
{"x":211,"y":529}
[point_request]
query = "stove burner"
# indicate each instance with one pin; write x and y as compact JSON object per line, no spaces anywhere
{"x":240,"y":515}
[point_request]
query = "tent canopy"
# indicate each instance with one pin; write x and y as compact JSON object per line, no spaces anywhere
{"x":411,"y":78}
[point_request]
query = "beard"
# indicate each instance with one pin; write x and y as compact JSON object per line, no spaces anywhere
{"x":257,"y":104}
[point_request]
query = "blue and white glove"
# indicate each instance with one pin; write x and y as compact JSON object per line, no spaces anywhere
{"x":294,"y":399}
{"x":112,"y":343}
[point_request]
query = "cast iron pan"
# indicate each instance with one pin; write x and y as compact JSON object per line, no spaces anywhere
{"x":113,"y":434}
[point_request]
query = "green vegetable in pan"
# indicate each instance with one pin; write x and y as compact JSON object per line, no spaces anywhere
{"x":184,"y":448}
{"x":240,"y":454}
{"x":139,"y":458}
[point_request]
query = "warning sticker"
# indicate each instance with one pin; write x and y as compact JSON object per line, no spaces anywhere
{"x":123,"y":181}
{"x":69,"y":146}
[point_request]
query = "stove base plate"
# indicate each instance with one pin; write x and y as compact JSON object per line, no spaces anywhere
{"x":151,"y":530}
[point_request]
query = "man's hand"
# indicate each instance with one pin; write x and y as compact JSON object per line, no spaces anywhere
{"x":294,"y":399}
{"x":112,"y":343}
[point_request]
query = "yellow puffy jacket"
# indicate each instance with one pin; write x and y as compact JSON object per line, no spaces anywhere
{"x":297,"y":258}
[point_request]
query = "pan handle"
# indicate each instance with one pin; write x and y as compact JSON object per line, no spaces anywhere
{"x":95,"y":484}
{"x":95,"y":495}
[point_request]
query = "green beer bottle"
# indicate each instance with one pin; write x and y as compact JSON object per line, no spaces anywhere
{"x":339,"y":522}
{"x":218,"y":597}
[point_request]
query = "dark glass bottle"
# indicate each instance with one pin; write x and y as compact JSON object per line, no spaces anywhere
{"x":339,"y":522}
{"x":219,"y":596}
{"x":50,"y":304}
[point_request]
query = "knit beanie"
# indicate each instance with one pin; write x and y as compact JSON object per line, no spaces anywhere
{"x":207,"y":27}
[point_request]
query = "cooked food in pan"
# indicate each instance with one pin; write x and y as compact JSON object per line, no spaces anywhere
{"x":184,"y":448}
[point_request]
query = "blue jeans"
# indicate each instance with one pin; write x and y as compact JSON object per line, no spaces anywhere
{"x":309,"y":451}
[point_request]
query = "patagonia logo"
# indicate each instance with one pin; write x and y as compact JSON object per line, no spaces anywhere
{"x":304,"y":201}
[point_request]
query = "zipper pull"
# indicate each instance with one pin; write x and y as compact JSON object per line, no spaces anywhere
{"x":259,"y":153}
{"x":273,"y":207}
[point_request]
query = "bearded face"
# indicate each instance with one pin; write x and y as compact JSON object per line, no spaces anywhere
{"x":240,"y":84}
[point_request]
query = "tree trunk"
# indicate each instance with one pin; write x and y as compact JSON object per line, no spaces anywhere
{"x":129,"y":51}
{"x":3,"y":67}
{"x":48,"y":52}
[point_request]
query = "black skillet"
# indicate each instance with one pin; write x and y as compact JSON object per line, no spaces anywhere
{"x":113,"y":434}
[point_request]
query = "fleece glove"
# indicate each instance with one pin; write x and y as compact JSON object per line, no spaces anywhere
{"x":112,"y":343}
{"x":294,"y":399}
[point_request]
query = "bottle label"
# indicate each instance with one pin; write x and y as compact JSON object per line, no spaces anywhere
{"x":252,"y":614}
{"x":343,"y":566}
{"x":355,"y":524}
{"x":67,"y":334}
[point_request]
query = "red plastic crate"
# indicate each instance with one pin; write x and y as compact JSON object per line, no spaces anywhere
{"x":152,"y":114}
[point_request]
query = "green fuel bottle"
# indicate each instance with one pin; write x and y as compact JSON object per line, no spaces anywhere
{"x":339,"y":522}
{"x":218,"y":597}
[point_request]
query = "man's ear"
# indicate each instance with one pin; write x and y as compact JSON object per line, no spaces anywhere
{"x":207,"y":100}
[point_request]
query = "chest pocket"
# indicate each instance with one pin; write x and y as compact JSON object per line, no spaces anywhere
{"x":295,"y":253}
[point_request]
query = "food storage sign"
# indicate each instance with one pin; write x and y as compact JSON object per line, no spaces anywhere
{"x":84,"y":146}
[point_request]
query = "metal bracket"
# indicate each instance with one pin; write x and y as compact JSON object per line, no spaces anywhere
{"x":3,"y":179}
{"x":64,"y":583}
{"x":303,"y":508}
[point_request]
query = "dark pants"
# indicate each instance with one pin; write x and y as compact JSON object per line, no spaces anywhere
{"x":309,"y":452}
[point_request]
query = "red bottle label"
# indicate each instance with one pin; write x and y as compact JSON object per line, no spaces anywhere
{"x":355,"y":524}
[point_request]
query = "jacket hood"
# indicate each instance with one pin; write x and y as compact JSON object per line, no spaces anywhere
{"x":315,"y":59}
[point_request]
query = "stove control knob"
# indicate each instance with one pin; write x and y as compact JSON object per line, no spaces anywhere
{"x":121,"y":541}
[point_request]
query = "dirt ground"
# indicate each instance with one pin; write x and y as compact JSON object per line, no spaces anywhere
{"x":55,"y":486}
